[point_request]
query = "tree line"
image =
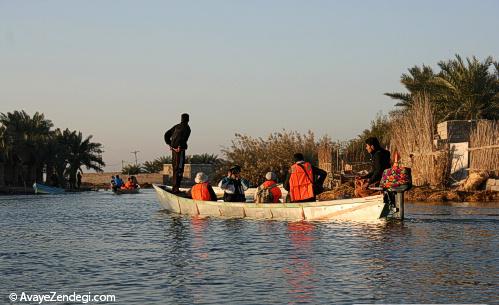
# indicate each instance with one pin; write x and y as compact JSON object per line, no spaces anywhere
{"x":156,"y":165}
{"x":29,"y":146}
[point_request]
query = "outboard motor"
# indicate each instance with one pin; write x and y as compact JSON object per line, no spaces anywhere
{"x":394,"y":182}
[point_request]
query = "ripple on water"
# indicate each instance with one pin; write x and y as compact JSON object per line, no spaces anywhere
{"x":125,"y":245}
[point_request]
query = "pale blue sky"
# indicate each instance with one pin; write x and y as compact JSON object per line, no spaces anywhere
{"x":124,"y":71}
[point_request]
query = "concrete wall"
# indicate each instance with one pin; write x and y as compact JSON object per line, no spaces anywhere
{"x":190,"y":171}
{"x":460,"y":160}
{"x":105,"y":178}
{"x":456,"y":134}
{"x":455,"y":131}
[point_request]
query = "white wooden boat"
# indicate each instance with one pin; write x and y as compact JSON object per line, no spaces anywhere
{"x":249,"y":192}
{"x":357,"y":209}
{"x":45,"y":189}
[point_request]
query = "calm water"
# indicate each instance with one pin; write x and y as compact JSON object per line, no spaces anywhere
{"x":124,"y":245}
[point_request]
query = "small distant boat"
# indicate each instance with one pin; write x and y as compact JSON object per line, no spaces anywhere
{"x":45,"y":189}
{"x":126,"y":191}
{"x":356,"y":209}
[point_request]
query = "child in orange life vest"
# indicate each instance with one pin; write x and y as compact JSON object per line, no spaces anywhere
{"x":202,"y":190}
{"x":270,"y":184}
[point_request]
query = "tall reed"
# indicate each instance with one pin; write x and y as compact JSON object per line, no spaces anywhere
{"x":413,"y":137}
{"x":484,"y":146}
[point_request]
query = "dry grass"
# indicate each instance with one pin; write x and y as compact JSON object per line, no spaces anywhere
{"x":484,"y":146}
{"x":412,"y":137}
{"x":343,"y":191}
{"x":257,"y":156}
{"x":438,"y":195}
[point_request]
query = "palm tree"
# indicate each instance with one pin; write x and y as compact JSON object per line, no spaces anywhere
{"x":419,"y":80}
{"x":203,"y":159}
{"x":131,"y":169}
{"x":23,"y":137}
{"x":152,"y":167}
{"x":81,"y":152}
{"x":3,"y":144}
{"x":462,"y":90}
{"x":156,"y":165}
{"x":57,"y":156}
{"x":471,"y":91}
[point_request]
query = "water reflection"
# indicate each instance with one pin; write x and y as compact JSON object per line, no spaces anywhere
{"x":299,"y":272}
{"x":199,"y":226}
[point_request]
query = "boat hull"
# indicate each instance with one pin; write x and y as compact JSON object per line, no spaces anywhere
{"x":126,"y":191}
{"x":357,"y":209}
{"x":45,"y":189}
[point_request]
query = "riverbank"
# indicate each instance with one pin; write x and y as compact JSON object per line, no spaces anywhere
{"x":102,"y":180}
{"x":421,"y":194}
{"x":16,"y":190}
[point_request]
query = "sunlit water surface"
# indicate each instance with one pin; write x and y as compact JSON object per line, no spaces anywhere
{"x":125,"y":245}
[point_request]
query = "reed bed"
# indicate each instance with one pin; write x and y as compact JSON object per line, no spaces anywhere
{"x":412,"y":136}
{"x":484,"y":146}
{"x":325,"y":157}
{"x":257,"y":156}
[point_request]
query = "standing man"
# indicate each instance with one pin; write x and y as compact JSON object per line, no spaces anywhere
{"x":176,"y":137}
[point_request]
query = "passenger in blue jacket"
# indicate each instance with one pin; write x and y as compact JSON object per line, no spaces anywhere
{"x":234,"y":186}
{"x":118,"y":182}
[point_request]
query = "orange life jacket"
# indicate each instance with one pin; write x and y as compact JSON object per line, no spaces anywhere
{"x":276,"y":192}
{"x":300,"y":183}
{"x":200,"y":192}
{"x":128,"y":185}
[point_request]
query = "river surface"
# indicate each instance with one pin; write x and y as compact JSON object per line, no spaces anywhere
{"x":100,"y":243}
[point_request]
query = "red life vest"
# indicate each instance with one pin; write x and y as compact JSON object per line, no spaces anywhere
{"x":200,"y":192}
{"x":276,"y":191}
{"x":300,"y":183}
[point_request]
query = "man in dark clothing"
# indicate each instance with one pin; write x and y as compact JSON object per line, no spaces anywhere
{"x":78,"y":180}
{"x":176,"y":137}
{"x":380,"y":159}
{"x":317,"y":179}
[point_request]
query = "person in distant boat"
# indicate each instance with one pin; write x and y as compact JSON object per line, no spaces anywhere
{"x":234,"y":186}
{"x":380,"y":160}
{"x":176,"y":138}
{"x":78,"y":180}
{"x":202,"y":190}
{"x":268,"y":192}
{"x":304,"y":181}
{"x":135,"y":182}
{"x":128,"y":184}
{"x":118,"y":182}
{"x":113,"y":183}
